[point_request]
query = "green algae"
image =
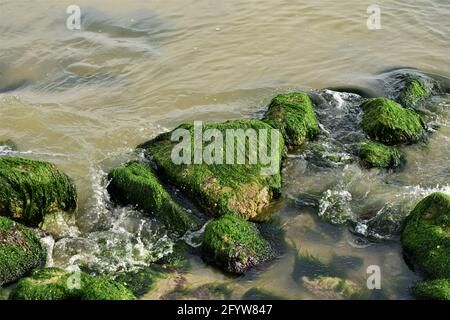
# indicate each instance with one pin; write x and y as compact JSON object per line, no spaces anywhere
{"x":432,"y":290}
{"x":31,"y":189}
{"x":377,"y":155}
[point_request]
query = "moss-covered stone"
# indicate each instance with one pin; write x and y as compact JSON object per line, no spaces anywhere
{"x":376,"y":155}
{"x":389,"y":123}
{"x":433,"y":290}
{"x":209,"y":291}
{"x":235,"y":244}
{"x":426,"y":237}
{"x":20,"y":251}
{"x":31,"y":189}
{"x":242,"y":188}
{"x":261,"y":294}
{"x":293,"y":115}
{"x":415,"y":89}
{"x":136,"y":184}
{"x":59,"y":284}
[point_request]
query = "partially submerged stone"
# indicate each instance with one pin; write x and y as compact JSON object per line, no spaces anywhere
{"x":415,"y":89}
{"x":388,"y":122}
{"x":234,"y":244}
{"x":136,"y":184}
{"x":223,"y":184}
{"x":209,"y":291}
{"x":332,"y":288}
{"x":59,"y":284}
{"x":293,"y":115}
{"x":377,"y":155}
{"x":20,"y":251}
{"x":433,"y":290}
{"x":426,"y":237}
{"x":31,"y":189}
{"x":8,"y":145}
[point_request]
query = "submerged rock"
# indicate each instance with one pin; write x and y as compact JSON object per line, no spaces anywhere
{"x":31,"y":189}
{"x":332,"y":288}
{"x":220,"y":187}
{"x":426,"y":237}
{"x":390,"y":123}
{"x":293,"y":115}
{"x":59,"y":284}
{"x":235,"y":244}
{"x":20,"y":251}
{"x":209,"y":291}
{"x":415,"y":89}
{"x":377,"y":155}
{"x":8,"y":145}
{"x":261,"y":294}
{"x":433,"y":290}
{"x":136,"y":184}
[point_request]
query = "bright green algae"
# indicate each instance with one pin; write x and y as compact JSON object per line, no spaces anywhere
{"x":293,"y":115}
{"x":59,"y":284}
{"x":136,"y":184}
{"x":426,"y":237}
{"x":433,"y":290}
{"x":31,"y":189}
{"x":377,"y":155}
{"x":389,"y":123}
{"x":20,"y":251}
{"x":221,"y":188}
{"x":235,"y":244}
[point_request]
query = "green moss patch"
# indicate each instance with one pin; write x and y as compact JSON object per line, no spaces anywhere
{"x":433,"y":290}
{"x":241,"y":187}
{"x":31,"y":189}
{"x":426,"y":237}
{"x":416,"y":89}
{"x":376,"y":155}
{"x":58,"y":284}
{"x":20,"y":251}
{"x":234,"y":244}
{"x":136,"y":184}
{"x":389,"y":123}
{"x":293,"y":115}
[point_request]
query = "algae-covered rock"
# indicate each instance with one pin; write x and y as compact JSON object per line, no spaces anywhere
{"x":293,"y":115}
{"x":222,"y":176}
{"x":389,"y":123}
{"x":415,"y":89}
{"x":59,"y":284}
{"x":261,"y":294}
{"x":209,"y":291}
{"x":377,"y":155}
{"x":426,"y":237}
{"x":433,"y":290}
{"x":136,"y":184}
{"x":235,"y":244}
{"x":20,"y":251}
{"x":332,"y":288}
{"x":31,"y":189}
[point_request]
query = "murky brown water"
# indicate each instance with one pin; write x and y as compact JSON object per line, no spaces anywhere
{"x":82,"y":98}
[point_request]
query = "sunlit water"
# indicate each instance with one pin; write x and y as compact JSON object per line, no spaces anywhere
{"x":84,"y":99}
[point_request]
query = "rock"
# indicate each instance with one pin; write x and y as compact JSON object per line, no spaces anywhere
{"x":415,"y":89}
{"x":234,"y":244}
{"x":59,"y":284}
{"x":293,"y":115}
{"x":261,"y":294}
{"x":31,"y":189}
{"x":241,"y":187}
{"x":389,"y":123}
{"x":426,"y":237}
{"x":209,"y":291}
{"x":432,"y":290}
{"x":377,"y":155}
{"x":20,"y":251}
{"x":136,"y":184}
{"x":8,"y":145}
{"x":332,"y":288}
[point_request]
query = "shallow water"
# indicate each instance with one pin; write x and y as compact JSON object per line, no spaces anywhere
{"x":84,"y":100}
